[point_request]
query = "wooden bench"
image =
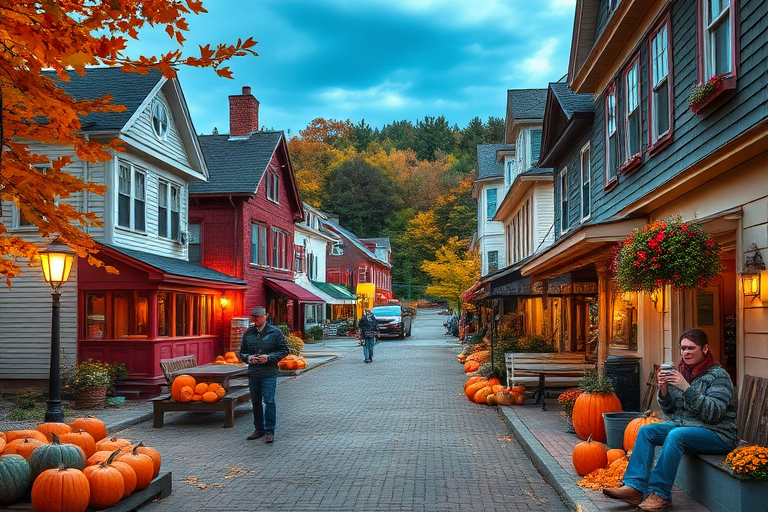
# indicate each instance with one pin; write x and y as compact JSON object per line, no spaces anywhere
{"x":175,"y":364}
{"x":708,"y":481}
{"x":235,"y":396}
{"x":536,"y":368}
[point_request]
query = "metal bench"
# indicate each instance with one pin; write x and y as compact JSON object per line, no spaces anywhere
{"x":235,"y":395}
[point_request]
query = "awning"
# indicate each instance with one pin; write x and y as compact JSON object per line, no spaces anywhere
{"x":291,"y":290}
{"x":337,"y":293}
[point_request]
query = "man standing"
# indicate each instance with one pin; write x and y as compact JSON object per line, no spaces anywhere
{"x":262,"y":347}
{"x":368,"y":331}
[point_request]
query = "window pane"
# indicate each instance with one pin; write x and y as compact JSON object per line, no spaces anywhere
{"x":96,"y":315}
{"x":138,"y":212}
{"x":633,"y":135}
{"x":120,"y":306}
{"x":255,"y":243}
{"x":490,"y":196}
{"x":163,"y":314}
{"x":613,"y":147}
{"x":585,"y":187}
{"x":124,"y":196}
{"x":262,"y":245}
{"x":182,"y":315}
{"x":722,"y":51}
{"x":661,"y":110}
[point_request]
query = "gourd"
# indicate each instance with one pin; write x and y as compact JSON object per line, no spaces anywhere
{"x":141,"y":463}
{"x":47,"y":456}
{"x":474,"y":388}
{"x":61,"y":490}
{"x":92,"y":425}
{"x":472,"y":380}
{"x":50,"y":427}
{"x":186,"y":394}
{"x":210,"y":396}
{"x":112,"y":443}
{"x":588,"y":456}
{"x":179,"y":383}
{"x":100,"y":456}
{"x":14,"y":478}
{"x":201,"y":388}
{"x":106,"y":483}
{"x":471,"y":366}
{"x":633,"y":427}
{"x":82,"y":439}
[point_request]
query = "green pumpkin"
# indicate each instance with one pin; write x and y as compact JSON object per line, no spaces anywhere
{"x":14,"y":478}
{"x":47,"y":456}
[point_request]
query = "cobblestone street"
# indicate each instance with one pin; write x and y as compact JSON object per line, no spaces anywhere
{"x":397,"y":434}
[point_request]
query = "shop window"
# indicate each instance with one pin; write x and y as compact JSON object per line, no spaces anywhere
{"x":129,"y":314}
{"x":624,"y":331}
{"x":164,"y":312}
{"x":181,"y":314}
{"x":96,"y":315}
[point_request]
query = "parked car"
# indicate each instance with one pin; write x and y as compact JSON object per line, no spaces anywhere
{"x":394,"y":321}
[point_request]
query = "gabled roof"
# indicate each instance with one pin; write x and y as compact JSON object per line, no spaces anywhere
{"x":128,"y":89}
{"x":488,"y":165}
{"x":523,"y":105}
{"x":567,"y":121}
{"x":570,"y":102}
{"x":335,"y":228}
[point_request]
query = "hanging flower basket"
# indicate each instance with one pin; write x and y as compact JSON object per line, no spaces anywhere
{"x":661,"y":253}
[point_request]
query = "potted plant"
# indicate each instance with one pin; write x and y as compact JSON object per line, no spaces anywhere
{"x":92,"y":380}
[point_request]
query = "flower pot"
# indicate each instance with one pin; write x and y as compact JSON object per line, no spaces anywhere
{"x":91,"y":398}
{"x":615,"y":424}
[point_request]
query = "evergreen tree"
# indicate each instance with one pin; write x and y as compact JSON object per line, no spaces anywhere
{"x":433,"y":134}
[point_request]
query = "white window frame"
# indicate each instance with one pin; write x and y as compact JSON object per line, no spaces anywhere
{"x":135,"y":193}
{"x":611,"y":136}
{"x":585,"y":182}
{"x":520,"y":152}
{"x":279,"y":249}
{"x":496,"y":266}
{"x":160,"y":119}
{"x":710,"y":26}
{"x":563,"y":184}
{"x":632,"y":113}
{"x":259,"y":250}
{"x":660,"y":83}
{"x":169,"y":206}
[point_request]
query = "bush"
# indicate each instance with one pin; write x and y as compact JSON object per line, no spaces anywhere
{"x":93,"y":373}
{"x":295,"y":344}
{"x":315,"y":333}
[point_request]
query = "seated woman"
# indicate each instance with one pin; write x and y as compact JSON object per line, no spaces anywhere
{"x":699,"y":406}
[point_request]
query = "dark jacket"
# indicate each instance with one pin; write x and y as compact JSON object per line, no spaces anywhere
{"x":270,"y":341}
{"x":368,"y":326}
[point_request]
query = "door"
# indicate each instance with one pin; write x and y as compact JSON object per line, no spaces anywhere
{"x":708,"y":318}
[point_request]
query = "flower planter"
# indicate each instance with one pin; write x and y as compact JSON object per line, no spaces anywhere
{"x":91,"y":398}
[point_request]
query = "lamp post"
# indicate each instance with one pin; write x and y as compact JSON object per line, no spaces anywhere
{"x":56,"y":260}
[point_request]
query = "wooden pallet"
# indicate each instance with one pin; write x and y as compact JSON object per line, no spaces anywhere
{"x":235,"y":396}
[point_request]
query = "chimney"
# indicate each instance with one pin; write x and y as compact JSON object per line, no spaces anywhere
{"x":243,"y":114}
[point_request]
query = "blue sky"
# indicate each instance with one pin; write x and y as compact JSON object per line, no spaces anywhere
{"x":378,"y":60}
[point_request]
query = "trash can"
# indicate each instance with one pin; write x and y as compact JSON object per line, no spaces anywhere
{"x":624,"y":371}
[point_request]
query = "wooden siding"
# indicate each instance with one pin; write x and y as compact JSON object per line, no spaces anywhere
{"x":172,"y":146}
{"x":755,"y":229}
{"x":543,"y":216}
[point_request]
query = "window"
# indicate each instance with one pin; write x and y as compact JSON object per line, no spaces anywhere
{"x":563,"y":181}
{"x":299,"y":256}
{"x":337,"y":249}
{"x":279,"y":249}
{"x":510,"y":171}
{"x":493,"y":261}
{"x":661,"y":86}
{"x":717,"y":38}
{"x":586,"y":205}
{"x":273,"y":185}
{"x":129,"y":314}
{"x":168,"y":215}
{"x":131,"y":200}
{"x":490,"y":203}
{"x":520,"y":152}
{"x":159,"y":119}
{"x":259,"y":244}
{"x":96,"y":315}
{"x":632,"y":111}
{"x":163,"y":314}
{"x":195,"y":250}
{"x":611,"y":137}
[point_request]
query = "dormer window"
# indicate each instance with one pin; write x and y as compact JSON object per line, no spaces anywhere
{"x":159,"y":119}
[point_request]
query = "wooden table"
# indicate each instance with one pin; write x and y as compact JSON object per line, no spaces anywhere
{"x":541,"y":391}
{"x":220,"y":373}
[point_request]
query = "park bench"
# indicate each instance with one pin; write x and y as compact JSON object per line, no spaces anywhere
{"x":541,"y":369}
{"x":705,"y":478}
{"x":168,"y":366}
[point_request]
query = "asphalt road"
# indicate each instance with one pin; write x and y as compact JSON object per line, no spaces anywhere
{"x":394,"y":435}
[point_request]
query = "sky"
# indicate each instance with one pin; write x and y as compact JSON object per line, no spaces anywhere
{"x":374,"y":60}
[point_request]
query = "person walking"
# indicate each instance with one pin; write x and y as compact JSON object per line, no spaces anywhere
{"x":699,"y":406}
{"x":368,"y":331}
{"x":262,"y":347}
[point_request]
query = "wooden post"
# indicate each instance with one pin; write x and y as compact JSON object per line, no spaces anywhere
{"x":604,"y":314}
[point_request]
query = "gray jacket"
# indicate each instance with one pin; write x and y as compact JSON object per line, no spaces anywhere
{"x":710,"y":403}
{"x":270,"y":341}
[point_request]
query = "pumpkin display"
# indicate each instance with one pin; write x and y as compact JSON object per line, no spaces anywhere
{"x":100,"y":456}
{"x":292,"y":362}
{"x":50,"y":427}
{"x":106,"y":483}
{"x":210,"y":396}
{"x":201,"y":388}
{"x":61,"y":490}
{"x":219,"y":360}
{"x":494,"y":381}
{"x":471,"y":366}
{"x":630,"y":432}
{"x":47,"y":456}
{"x":517,"y":389}
{"x":213,"y":386}
{"x":141,"y":463}
{"x":24,"y":446}
{"x":2,"y":444}
{"x":180,"y":383}
{"x":197,"y":398}
{"x":231,"y":358}
{"x":129,"y":477}
{"x":481,"y":394}
{"x":615,"y":454}
{"x":588,"y":412}
{"x":186,"y":394}
{"x":112,"y":443}
{"x":153,"y":454}
{"x":12,"y":435}
{"x":472,"y":380}
{"x":92,"y":425}
{"x":474,"y":388}
{"x":82,"y":439}
{"x":220,"y":392}
{"x":589,"y":455}
{"x":14,"y":478}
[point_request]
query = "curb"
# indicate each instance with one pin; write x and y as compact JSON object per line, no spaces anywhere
{"x":573,"y":496}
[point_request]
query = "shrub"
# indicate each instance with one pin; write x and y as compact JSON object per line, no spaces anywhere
{"x":315,"y":333}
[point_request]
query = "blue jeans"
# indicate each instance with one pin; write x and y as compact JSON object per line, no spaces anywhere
{"x":368,"y":343}
{"x":263,"y":400}
{"x":646,"y":477}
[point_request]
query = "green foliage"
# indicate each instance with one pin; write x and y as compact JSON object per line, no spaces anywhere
{"x":485,"y":370}
{"x":93,"y":373}
{"x":433,"y":136}
{"x":295,"y":344}
{"x":593,"y":382}
{"x":315,"y":333}
{"x":284,"y":329}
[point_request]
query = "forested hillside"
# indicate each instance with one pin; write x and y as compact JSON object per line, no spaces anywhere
{"x":409,"y":182}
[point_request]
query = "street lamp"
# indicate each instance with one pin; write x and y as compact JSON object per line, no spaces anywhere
{"x":56,"y":260}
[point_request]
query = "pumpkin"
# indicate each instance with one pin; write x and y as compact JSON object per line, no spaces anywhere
{"x":100,"y":456}
{"x":201,"y":388}
{"x":615,"y":454}
{"x":519,"y":398}
{"x":23,"y":447}
{"x":179,"y":383}
{"x":504,"y":398}
{"x":14,"y":478}
{"x":219,"y":358}
{"x":82,"y":439}
{"x":588,"y":412}
{"x":129,"y":476}
{"x":197,"y":398}
{"x":474,"y":388}
{"x":186,"y":394}
{"x":494,"y":381}
{"x":471,"y":366}
{"x":472,"y":380}
{"x":481,"y":394}
{"x":588,"y":456}
{"x":50,"y":427}
{"x":47,"y":456}
{"x":112,"y":443}
{"x":61,"y":490}
{"x":301,"y":363}
{"x":220,"y":392}
{"x":153,"y":454}
{"x":517,"y":389}
{"x":231,"y":356}
{"x":633,"y":427}
{"x":2,"y":444}
{"x":210,"y":396}
{"x":141,"y":463}
{"x":2,"y":436}
{"x":497,"y":388}
{"x":213,"y":386}
{"x":12,"y":435}
{"x":490,"y":399}
{"x":92,"y":425}
{"x":106,"y":483}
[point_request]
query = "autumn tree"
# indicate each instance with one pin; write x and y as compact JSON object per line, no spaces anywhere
{"x":454,"y":270}
{"x":312,"y":163}
{"x":433,"y":136}
{"x":61,"y":35}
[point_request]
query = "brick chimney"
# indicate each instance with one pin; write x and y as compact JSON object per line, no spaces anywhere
{"x":243,"y":114}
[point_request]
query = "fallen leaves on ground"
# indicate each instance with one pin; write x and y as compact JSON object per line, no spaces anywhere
{"x":609,"y":477}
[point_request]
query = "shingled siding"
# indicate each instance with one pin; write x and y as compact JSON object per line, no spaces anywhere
{"x":694,"y":138}
{"x":172,"y":146}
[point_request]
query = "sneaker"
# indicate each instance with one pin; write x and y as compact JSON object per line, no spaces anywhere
{"x":625,"y":493}
{"x":256,"y":434}
{"x":367,"y":361}
{"x":270,"y":438}
{"x":655,"y":503}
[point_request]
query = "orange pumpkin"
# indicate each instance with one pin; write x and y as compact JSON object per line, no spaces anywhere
{"x":186,"y":394}
{"x":588,"y":412}
{"x":219,"y":358}
{"x":142,"y":464}
{"x":474,"y":388}
{"x":100,"y":456}
{"x":615,"y":454}
{"x":472,"y":380}
{"x":82,"y":439}
{"x":517,"y":389}
{"x":231,"y":356}
{"x":92,"y":425}
{"x":481,"y":394}
{"x":51,"y":427}
{"x":633,"y":427}
{"x":201,"y":388}
{"x":22,"y":446}
{"x":213,"y":386}
{"x":301,"y":363}
{"x":471,"y":366}
{"x":210,"y":396}
{"x":220,"y":392}
{"x":2,"y":444}
{"x":106,"y":483}
{"x":494,"y":381}
{"x":12,"y":435}
{"x":153,"y":454}
{"x":588,"y":456}
{"x":129,"y":476}
{"x":61,"y":489}
{"x":112,"y":443}
{"x":179,"y":383}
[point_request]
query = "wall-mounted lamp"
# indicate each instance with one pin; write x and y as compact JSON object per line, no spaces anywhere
{"x":224,"y":302}
{"x":655,"y":296}
{"x":750,"y":275}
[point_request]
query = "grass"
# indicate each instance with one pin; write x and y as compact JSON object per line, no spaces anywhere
{"x":26,"y":404}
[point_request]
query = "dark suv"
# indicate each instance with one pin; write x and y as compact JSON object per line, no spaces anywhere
{"x":394,"y":321}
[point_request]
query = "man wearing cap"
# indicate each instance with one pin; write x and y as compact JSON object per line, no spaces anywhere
{"x":262,"y":347}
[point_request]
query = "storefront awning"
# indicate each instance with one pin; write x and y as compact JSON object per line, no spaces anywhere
{"x":338,"y":294}
{"x":292,"y":290}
